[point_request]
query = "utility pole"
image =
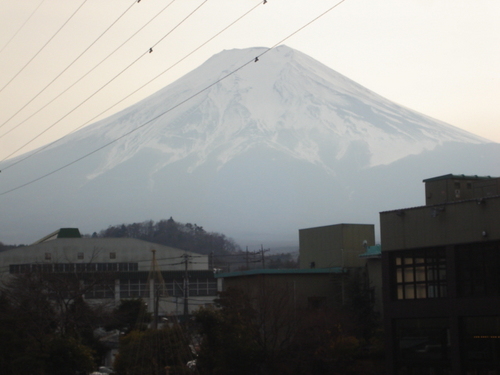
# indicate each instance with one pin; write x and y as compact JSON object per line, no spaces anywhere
{"x":186,"y":288}
{"x":156,"y":287}
{"x":263,"y":258}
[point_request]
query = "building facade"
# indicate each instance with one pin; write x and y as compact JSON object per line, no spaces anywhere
{"x":300,"y":288}
{"x":112,"y":269}
{"x":441,"y":279}
{"x":336,"y":245}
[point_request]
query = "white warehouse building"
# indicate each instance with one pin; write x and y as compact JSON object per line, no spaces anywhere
{"x":130,"y":268}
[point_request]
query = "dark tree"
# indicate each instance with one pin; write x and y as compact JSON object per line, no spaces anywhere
{"x":188,"y":236}
{"x":131,"y":314}
{"x":150,"y":352}
{"x":229,"y":337}
{"x":50,"y":323}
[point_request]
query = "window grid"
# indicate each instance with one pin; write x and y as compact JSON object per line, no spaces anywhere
{"x":73,"y":267}
{"x":134,"y":288}
{"x":478,"y":266}
{"x":420,"y":274}
{"x":100,"y":290}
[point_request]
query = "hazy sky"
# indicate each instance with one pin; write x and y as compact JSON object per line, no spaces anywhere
{"x":441,"y":58}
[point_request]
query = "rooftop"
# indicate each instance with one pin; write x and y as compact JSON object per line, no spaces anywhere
{"x":372,"y":252}
{"x":457,"y":177}
{"x":302,"y":271}
{"x":61,"y":233}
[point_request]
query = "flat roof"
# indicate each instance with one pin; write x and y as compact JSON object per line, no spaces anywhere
{"x":293,"y":271}
{"x":457,"y":177}
{"x":480,"y":199}
{"x":372,"y":252}
{"x":337,"y":225}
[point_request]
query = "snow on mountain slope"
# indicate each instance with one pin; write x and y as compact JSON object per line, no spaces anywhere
{"x":282,"y":144}
{"x":286,"y":100}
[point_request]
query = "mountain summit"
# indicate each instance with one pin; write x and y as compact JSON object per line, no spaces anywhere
{"x":249,"y":147}
{"x":285,"y":101}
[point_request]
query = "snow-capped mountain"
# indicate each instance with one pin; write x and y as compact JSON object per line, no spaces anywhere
{"x":242,"y":146}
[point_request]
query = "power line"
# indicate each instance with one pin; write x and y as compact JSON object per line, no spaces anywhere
{"x":43,"y":47}
{"x":65,"y":69}
{"x":127,"y":133}
{"x":106,"y":84}
{"x":22,"y":26}
{"x":256,"y":59}
{"x":89,"y":71}
{"x":138,"y":89}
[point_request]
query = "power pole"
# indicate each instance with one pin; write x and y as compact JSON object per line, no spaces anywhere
{"x":186,"y":288}
{"x":263,"y":258}
{"x":156,"y":287}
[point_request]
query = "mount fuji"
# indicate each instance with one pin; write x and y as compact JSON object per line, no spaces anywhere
{"x":255,"y":148}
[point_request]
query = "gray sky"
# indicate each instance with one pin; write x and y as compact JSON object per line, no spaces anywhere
{"x":441,"y":58}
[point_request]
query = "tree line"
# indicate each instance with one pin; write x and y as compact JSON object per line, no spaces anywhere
{"x":190,"y":237}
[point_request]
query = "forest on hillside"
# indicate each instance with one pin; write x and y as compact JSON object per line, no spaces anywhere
{"x":226,"y":254}
{"x":190,"y":237}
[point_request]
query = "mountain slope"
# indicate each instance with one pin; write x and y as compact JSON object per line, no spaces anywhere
{"x":282,"y":143}
{"x":286,"y":101}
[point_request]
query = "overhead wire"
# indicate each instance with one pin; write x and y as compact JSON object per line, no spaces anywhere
{"x":253,"y":60}
{"x":103,"y":86}
{"x":135,"y":91}
{"x":22,"y":26}
{"x":89,"y":71}
{"x":45,"y":45}
{"x":65,"y":69}
{"x":129,"y":132}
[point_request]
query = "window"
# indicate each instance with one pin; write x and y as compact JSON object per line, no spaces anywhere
{"x":175,"y":288}
{"x":100,"y":290}
{"x":112,"y":255}
{"x":134,"y":288}
{"x":128,"y":266}
{"x":477,"y":269}
{"x":420,"y":274}
{"x":202,"y":287}
{"x":48,"y":256}
{"x":423,"y":340}
{"x":107,"y":267}
{"x":79,"y":256}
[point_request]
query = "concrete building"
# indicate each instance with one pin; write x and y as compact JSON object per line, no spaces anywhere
{"x":128,"y":265}
{"x":335,"y":245}
{"x":441,"y":279}
{"x":302,"y":288}
{"x":328,"y":255}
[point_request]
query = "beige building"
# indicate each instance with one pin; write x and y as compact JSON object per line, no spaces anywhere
{"x":328,"y":256}
{"x":128,"y":265}
{"x":337,"y":245}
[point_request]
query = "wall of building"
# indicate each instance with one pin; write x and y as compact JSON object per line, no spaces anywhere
{"x":450,"y":188}
{"x":334,"y":245}
{"x":119,"y":269}
{"x":299,"y":290}
{"x":458,"y":222}
{"x":441,"y":284}
{"x":102,"y":250}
